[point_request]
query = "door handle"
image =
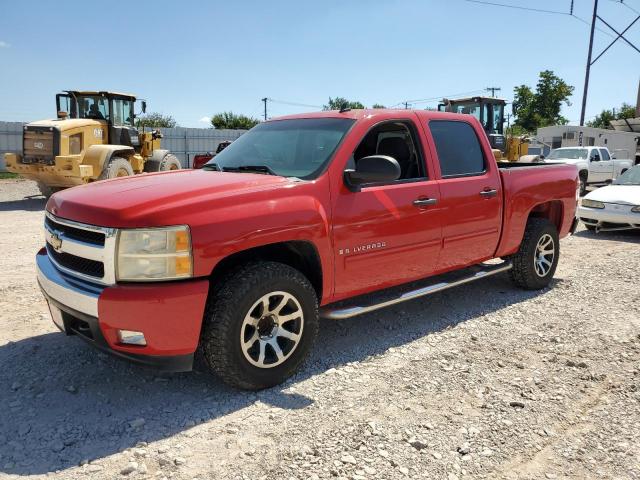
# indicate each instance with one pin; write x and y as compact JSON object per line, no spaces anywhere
{"x":423,"y":202}
{"x":489,"y":193}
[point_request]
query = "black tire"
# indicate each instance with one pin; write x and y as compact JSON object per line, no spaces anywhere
{"x":117,"y":167}
{"x":47,"y":191}
{"x":168,"y":162}
{"x":525,"y":273}
{"x":583,"y":183}
{"x":224,"y":328}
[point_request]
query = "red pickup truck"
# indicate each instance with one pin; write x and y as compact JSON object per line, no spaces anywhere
{"x":297,"y":219}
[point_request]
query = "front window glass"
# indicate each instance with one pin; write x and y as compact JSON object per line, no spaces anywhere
{"x":93,"y":106}
{"x":468,"y":108}
{"x":568,"y":153}
{"x":605,"y":154}
{"x":289,"y":148}
{"x":630,"y":177}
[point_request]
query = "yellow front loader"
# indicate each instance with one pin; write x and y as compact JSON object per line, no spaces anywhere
{"x":92,"y":138}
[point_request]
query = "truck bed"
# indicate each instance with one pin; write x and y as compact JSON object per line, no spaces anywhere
{"x":535,"y":187}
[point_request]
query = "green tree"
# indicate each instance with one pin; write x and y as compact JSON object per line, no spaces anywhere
{"x":155,"y":120}
{"x":602,"y":120}
{"x":542,"y":107}
{"x":339,"y":103}
{"x":377,"y":105}
{"x":233,"y":121}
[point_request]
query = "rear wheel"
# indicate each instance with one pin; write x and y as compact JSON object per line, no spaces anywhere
{"x":535,"y":262}
{"x":117,"y":167}
{"x":259,"y":325}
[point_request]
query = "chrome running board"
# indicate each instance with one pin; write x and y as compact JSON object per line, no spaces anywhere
{"x":347,"y":309}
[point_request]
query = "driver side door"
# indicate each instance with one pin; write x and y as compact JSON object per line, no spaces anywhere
{"x":388,"y":233}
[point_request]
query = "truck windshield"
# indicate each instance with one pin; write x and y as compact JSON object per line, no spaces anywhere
{"x":568,"y":153}
{"x":289,"y":148}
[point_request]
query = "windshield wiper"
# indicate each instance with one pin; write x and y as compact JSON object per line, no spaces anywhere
{"x":211,"y":166}
{"x":250,"y":168}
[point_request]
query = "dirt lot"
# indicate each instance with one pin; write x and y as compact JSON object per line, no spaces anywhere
{"x":483,"y":381}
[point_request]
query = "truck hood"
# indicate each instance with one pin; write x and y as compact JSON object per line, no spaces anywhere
{"x":150,"y":200}
{"x":621,"y":194}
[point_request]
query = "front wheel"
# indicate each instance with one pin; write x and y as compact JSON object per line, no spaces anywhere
{"x":537,"y":259}
{"x":117,"y":167}
{"x":46,"y":190}
{"x":259,"y":325}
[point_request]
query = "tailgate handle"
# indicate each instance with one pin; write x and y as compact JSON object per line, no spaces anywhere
{"x":488,"y":193}
{"x":423,"y":202}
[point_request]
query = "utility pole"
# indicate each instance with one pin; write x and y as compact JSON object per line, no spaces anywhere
{"x":493,"y":90}
{"x":508,"y":120}
{"x":588,"y":69}
{"x":406,"y":105}
{"x":265,"y":108}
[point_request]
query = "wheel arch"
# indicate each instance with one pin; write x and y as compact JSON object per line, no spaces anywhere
{"x":553,"y":210}
{"x":299,"y":254}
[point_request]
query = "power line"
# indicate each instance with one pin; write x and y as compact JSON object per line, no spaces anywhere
{"x":294,"y":104}
{"x":621,"y":2}
{"x":517,"y":7}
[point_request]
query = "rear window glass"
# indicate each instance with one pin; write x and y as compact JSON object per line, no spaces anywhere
{"x":458,"y":148}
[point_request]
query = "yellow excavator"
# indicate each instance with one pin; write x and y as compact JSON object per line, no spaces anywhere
{"x":93,"y":138}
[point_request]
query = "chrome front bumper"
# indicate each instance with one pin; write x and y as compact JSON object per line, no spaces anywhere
{"x":66,"y":290}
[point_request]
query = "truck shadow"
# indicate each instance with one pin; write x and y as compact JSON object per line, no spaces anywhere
{"x":63,"y":402}
{"x":32,"y":203}
{"x":630,"y":236}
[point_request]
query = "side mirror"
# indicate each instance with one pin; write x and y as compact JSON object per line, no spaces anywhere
{"x":144,"y":106}
{"x":613,"y":156}
{"x":372,"y":169}
{"x":541,"y":157}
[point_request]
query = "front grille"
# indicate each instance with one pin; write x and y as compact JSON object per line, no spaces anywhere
{"x":88,"y":236}
{"x":81,"y":265}
{"x":40,"y":144}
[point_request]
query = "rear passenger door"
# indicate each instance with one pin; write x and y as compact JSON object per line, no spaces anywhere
{"x":471,"y":194}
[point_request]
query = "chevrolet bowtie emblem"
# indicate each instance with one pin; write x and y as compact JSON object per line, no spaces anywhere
{"x":56,"y":242}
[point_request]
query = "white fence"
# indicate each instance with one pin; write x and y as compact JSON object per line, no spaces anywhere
{"x":184,"y":143}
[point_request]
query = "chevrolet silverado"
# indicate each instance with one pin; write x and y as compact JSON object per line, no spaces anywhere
{"x":329,"y":214}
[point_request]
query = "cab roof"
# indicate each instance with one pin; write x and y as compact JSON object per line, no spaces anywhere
{"x":102,"y":93}
{"x":381,"y":113}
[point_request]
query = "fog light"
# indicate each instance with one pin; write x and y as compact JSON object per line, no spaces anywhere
{"x":131,"y":338}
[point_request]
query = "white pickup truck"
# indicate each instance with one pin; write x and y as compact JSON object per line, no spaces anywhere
{"x":596,"y":165}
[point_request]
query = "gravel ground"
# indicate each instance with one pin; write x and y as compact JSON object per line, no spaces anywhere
{"x":482,"y":381}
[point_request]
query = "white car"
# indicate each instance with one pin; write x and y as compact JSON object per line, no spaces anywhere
{"x":596,"y":166}
{"x":614,"y":207}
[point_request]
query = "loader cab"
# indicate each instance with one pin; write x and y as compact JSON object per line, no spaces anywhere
{"x":488,"y":110}
{"x":116,"y":109}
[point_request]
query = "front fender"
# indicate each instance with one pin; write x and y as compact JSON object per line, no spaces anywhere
{"x":97,"y":156}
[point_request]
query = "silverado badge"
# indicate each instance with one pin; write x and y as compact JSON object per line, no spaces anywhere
{"x":56,"y":242}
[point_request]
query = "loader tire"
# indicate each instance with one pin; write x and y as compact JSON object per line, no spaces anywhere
{"x":46,"y":190}
{"x":168,"y":162}
{"x":117,"y":167}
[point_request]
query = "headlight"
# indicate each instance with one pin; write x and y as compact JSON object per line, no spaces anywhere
{"x":636,"y":209}
{"x":154,"y":254}
{"x":592,"y":203}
